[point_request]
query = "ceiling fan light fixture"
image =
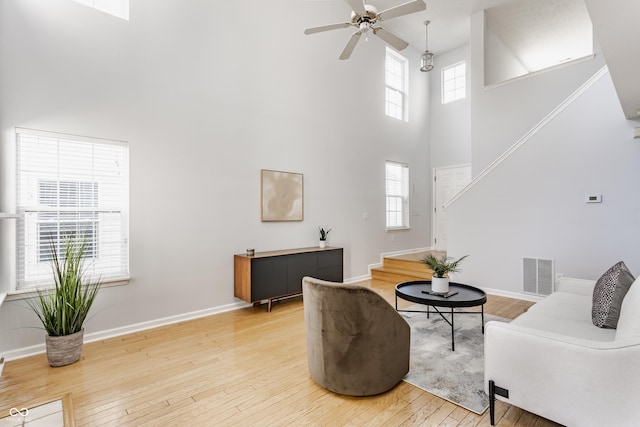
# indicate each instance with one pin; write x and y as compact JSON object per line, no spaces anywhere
{"x":366,"y":19}
{"x":426,"y":60}
{"x":365,"y":26}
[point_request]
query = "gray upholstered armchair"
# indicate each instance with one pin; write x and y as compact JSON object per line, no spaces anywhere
{"x":357,"y":344}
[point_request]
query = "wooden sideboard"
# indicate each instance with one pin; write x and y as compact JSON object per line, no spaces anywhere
{"x":278,"y":274}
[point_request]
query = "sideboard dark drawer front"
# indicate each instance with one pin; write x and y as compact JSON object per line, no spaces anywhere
{"x":330,"y":265}
{"x":330,"y":258}
{"x":268,"y":277}
{"x":300,"y":265}
{"x":331,"y":274}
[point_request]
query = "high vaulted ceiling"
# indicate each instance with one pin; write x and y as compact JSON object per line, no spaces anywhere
{"x":614,"y":27}
{"x":450,"y":19}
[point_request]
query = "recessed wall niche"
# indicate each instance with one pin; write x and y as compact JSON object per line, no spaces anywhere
{"x":525,"y":36}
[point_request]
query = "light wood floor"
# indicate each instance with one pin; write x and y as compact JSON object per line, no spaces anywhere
{"x":242,"y":368}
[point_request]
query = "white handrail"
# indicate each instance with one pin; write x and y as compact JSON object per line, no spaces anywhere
{"x":527,"y":136}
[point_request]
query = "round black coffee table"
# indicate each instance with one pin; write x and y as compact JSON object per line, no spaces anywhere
{"x":461,"y":296}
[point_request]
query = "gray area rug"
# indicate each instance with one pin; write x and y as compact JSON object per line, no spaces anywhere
{"x":456,"y":376}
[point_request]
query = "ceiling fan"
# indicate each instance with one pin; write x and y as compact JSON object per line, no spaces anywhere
{"x":365,"y":18}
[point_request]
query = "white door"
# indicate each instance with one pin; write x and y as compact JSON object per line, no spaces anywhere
{"x":446,"y":183}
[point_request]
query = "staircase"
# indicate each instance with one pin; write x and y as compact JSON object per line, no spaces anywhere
{"x":403,"y":268}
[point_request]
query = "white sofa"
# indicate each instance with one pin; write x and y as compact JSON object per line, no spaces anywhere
{"x":554,"y":362}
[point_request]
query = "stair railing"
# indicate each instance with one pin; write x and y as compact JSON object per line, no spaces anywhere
{"x":527,"y":136}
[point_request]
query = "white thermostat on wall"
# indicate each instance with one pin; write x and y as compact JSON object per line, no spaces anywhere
{"x":593,"y":198}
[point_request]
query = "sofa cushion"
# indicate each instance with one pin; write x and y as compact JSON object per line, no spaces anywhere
{"x":565,"y":305}
{"x":545,"y":321}
{"x":576,"y":286}
{"x":629,"y":322}
{"x":608,"y":294}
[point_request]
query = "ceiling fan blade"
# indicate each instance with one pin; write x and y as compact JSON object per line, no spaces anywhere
{"x":396,"y":42}
{"x":403,"y":9}
{"x":351,"y":44}
{"x":357,"y":6}
{"x":329,"y":27}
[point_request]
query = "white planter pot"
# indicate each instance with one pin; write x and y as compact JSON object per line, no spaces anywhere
{"x":323,"y":243}
{"x":440,"y":285}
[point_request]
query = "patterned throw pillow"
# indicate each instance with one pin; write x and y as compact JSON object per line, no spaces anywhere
{"x":608,"y":294}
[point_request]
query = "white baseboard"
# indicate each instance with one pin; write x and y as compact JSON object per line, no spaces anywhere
{"x":390,"y":254}
{"x":404,"y":252}
{"x":129,"y":329}
{"x":515,"y":295}
{"x":358,"y":278}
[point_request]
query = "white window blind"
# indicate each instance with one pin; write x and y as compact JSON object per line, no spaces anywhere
{"x":71,"y":187}
{"x":396,"y":85}
{"x":454,"y":82}
{"x":397,"y":192}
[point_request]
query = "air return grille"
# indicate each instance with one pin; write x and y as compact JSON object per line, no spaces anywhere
{"x":538,"y":276}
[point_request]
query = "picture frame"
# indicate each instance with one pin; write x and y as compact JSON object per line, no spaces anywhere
{"x":281,"y":196}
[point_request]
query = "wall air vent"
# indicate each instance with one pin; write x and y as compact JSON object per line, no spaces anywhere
{"x":538,"y":276}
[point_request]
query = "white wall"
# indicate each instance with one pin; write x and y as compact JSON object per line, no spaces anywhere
{"x":501,"y":115}
{"x":207,"y":94}
{"x":532,"y":205}
{"x":500,"y":64}
{"x":450,"y":124}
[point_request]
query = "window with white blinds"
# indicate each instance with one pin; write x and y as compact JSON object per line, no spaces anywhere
{"x":71,"y":187}
{"x":397,"y":192}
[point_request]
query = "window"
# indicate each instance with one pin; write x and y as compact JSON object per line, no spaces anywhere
{"x":71,"y":187}
{"x":396,"y":85}
{"x":397,"y":183}
{"x":454,"y":82}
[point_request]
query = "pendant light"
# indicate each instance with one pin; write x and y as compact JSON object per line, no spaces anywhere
{"x":426,"y":60}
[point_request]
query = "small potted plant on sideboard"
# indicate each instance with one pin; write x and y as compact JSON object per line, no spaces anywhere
{"x":323,"y":236}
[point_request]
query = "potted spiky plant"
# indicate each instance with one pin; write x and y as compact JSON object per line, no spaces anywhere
{"x":63,"y":310}
{"x":323,"y":236}
{"x":441,"y":267}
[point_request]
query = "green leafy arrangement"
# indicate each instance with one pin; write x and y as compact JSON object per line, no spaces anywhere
{"x":442,"y":265}
{"x":323,"y":233}
{"x":64,"y":309}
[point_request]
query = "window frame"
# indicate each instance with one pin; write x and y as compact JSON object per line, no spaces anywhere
{"x":63,"y":207}
{"x":401,"y":89}
{"x":402,"y":196}
{"x":458,"y":82}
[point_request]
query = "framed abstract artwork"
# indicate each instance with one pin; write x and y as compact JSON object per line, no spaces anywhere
{"x":282,"y":196}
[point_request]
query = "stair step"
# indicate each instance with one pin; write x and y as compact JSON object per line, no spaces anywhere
{"x":404,"y":264}
{"x":397,"y":275}
{"x":404,"y":268}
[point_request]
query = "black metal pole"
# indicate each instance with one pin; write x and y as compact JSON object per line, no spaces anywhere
{"x":453,"y":343}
